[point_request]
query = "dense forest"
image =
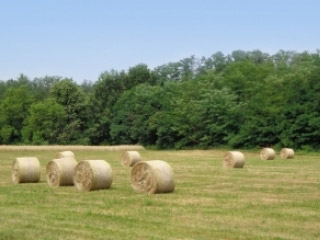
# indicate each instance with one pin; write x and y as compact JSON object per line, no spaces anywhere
{"x":240,"y":100}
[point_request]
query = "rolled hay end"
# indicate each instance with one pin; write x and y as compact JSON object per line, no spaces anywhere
{"x":155,"y":176}
{"x":59,"y":172}
{"x":234,"y":159}
{"x":26,"y":170}
{"x":130,"y":158}
{"x":65,"y":154}
{"x":92,"y":175}
{"x":267,"y":154}
{"x":287,"y":153}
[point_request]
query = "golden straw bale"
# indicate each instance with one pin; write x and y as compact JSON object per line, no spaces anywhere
{"x":287,"y":153}
{"x":234,"y":159}
{"x":155,"y":176}
{"x":92,"y":175}
{"x":129,"y":158}
{"x":267,"y":154}
{"x":65,"y":154}
{"x":26,"y":170}
{"x":60,"y":171}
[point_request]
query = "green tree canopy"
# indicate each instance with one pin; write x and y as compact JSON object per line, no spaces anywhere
{"x":13,"y":110}
{"x":68,"y":94}
{"x":132,"y":112}
{"x":45,"y":123}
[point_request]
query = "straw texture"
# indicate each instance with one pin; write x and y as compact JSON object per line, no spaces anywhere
{"x":129,"y":158}
{"x":70,"y":147}
{"x":59,"y":172}
{"x":92,"y":175}
{"x":154,"y":176}
{"x":65,"y":154}
{"x":267,"y":154}
{"x":234,"y":159}
{"x":287,"y":153}
{"x":26,"y":170}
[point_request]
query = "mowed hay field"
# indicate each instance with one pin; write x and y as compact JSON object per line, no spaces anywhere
{"x":277,"y":199}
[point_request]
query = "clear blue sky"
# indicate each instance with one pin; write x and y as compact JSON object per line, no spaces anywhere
{"x":82,"y":38}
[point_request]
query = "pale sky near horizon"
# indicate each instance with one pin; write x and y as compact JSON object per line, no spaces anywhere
{"x":82,"y":38}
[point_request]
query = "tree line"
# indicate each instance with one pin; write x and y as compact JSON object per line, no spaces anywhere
{"x":241,"y":100}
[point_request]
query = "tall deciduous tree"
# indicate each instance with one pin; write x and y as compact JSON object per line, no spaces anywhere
{"x":106,"y":92}
{"x":132,"y":112}
{"x":194,"y":113}
{"x":137,"y":75}
{"x":68,"y":94}
{"x":13,"y":110}
{"x":45,"y":123}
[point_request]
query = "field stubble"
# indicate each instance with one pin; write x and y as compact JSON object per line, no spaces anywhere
{"x":277,"y":199}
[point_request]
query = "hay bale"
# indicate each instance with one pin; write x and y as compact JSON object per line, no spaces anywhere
{"x":26,"y":170}
{"x":287,"y":153}
{"x":92,"y":175}
{"x":267,"y":154}
{"x":234,"y":159}
{"x":60,"y":172}
{"x":154,"y":176}
{"x":65,"y":154}
{"x":129,"y":158}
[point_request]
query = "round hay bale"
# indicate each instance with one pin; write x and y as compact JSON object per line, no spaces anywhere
{"x":154,"y":176}
{"x":234,"y":159}
{"x":65,"y":154}
{"x":60,"y":171}
{"x":129,"y":158}
{"x":92,"y":175}
{"x":267,"y":154}
{"x":287,"y":153}
{"x":26,"y":170}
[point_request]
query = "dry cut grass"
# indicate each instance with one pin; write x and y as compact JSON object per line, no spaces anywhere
{"x":277,"y":199}
{"x":70,"y":147}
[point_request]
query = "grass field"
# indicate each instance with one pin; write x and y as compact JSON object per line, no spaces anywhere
{"x":277,"y":199}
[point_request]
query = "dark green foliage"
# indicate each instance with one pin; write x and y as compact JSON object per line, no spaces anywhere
{"x":69,"y":95}
{"x":106,"y":92}
{"x":301,"y":114}
{"x":244,"y":99}
{"x":186,"y":69}
{"x":195,"y":113}
{"x":41,"y":87}
{"x":132,"y":112}
{"x":14,"y":108}
{"x":2,"y":88}
{"x":139,"y":74}
{"x":87,"y":86}
{"x":45,"y":123}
